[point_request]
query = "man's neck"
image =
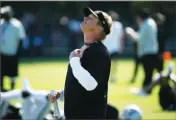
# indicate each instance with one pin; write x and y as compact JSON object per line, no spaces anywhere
{"x":90,"y":37}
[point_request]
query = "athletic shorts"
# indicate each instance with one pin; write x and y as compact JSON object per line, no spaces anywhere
{"x":9,"y":65}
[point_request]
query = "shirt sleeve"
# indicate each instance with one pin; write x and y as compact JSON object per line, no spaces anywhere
{"x":121,"y":30}
{"x":142,"y":33}
{"x":21,"y":32}
{"x":83,"y":76}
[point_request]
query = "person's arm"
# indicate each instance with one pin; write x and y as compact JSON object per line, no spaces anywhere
{"x":11,"y":95}
{"x":82,"y":75}
{"x":19,"y":48}
{"x":131,"y":33}
{"x":137,"y":36}
{"x":21,"y":36}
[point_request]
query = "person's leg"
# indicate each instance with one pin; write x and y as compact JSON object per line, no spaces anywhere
{"x":42,"y":108}
{"x":26,"y":108}
{"x":137,"y":62}
{"x":11,"y":95}
{"x":148,"y":70}
{"x":28,"y":105}
{"x":14,"y":71}
{"x":2,"y":82}
{"x":42,"y":104}
{"x":36,"y":98}
{"x":159,"y":62}
{"x":2,"y":71}
{"x":12,"y":80}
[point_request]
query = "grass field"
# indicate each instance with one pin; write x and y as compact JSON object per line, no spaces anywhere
{"x":50,"y":74}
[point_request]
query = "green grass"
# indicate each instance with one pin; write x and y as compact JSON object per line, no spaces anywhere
{"x":50,"y":74}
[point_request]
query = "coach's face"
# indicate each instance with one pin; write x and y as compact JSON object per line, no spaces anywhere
{"x":90,"y":24}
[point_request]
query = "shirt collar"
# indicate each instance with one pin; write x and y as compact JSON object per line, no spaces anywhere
{"x":89,"y":44}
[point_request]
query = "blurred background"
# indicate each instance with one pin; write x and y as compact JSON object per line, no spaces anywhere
{"x":53,"y":27}
{"x":53,"y":31}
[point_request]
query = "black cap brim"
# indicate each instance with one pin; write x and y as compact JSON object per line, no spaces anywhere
{"x":87,"y":11}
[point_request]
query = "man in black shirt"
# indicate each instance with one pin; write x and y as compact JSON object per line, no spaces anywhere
{"x":86,"y":84}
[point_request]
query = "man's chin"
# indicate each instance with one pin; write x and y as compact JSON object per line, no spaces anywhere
{"x":84,"y":28}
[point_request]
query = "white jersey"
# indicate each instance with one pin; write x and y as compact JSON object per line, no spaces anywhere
{"x":147,"y":38}
{"x":11,"y":33}
{"x":112,"y":41}
{"x":34,"y":107}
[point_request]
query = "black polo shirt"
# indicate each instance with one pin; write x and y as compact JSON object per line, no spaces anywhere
{"x":83,"y":104}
